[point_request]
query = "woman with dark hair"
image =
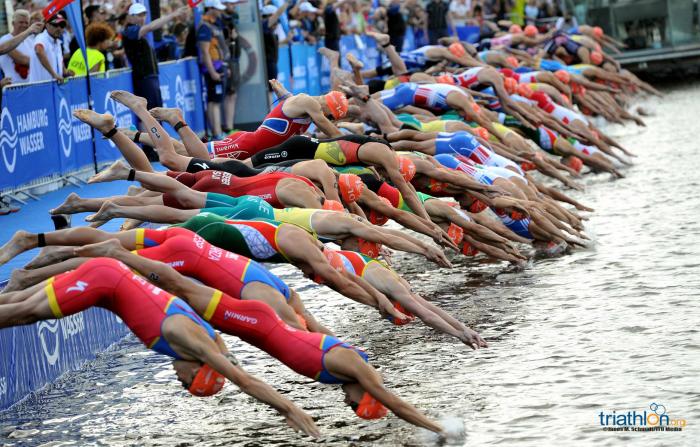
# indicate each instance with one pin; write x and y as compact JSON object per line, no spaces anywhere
{"x":98,"y":38}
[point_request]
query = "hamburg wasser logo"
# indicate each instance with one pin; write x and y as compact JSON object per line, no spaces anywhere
{"x":8,"y":140}
{"x":65,"y":130}
{"x":653,"y":418}
{"x":51,"y":332}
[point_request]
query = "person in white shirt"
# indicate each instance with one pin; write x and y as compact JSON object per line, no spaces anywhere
{"x":46,"y":61}
{"x":458,"y":13}
{"x":15,"y":64}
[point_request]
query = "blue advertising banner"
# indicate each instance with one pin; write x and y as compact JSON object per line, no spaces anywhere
{"x":37,"y":354}
{"x":299,"y":61}
{"x":74,"y":136}
{"x":28,"y":137}
{"x":284,"y":67}
{"x":179,"y":90}
{"x":313,"y":75}
{"x":468,"y":33}
{"x":101,"y":87}
{"x":325,"y":70}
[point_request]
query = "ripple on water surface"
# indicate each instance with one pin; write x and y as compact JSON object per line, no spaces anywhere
{"x":613,"y":326}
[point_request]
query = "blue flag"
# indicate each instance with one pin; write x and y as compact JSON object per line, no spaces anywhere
{"x":74,"y":15}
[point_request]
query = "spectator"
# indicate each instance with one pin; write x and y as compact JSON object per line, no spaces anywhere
{"x":500,"y":9}
{"x":93,"y":14}
{"x":532,"y":12}
{"x":307,"y":17}
{"x":566,"y":22}
{"x":417,"y":19}
{"x":332,"y":25}
{"x":213,"y":58}
{"x":437,"y":20}
{"x":380,"y":20}
{"x":46,"y":61}
{"x":140,"y":54}
{"x":396,"y":24}
{"x":270,"y":16}
{"x":459,"y":12}
{"x":98,"y":38}
{"x":15,"y":64}
{"x":230,"y":20}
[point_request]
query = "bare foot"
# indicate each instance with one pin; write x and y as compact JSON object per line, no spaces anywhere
{"x":102,"y":122}
{"x":17,"y":281}
{"x":354,"y":62}
{"x":107,"y":211}
{"x":130,"y":224}
{"x":134,"y":190}
{"x":72,"y":205}
{"x":332,"y":55}
{"x":118,"y":171}
{"x":170,"y":115}
{"x":130,"y":100}
{"x":381,"y":39}
{"x":108,"y":249}
{"x":48,"y":256}
{"x":20,"y":242}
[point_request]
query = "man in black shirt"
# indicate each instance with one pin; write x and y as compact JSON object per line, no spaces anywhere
{"x":332,"y":25}
{"x":230,"y":21}
{"x":141,"y":56}
{"x":396,"y":24}
{"x":270,"y":15}
{"x":437,"y":20}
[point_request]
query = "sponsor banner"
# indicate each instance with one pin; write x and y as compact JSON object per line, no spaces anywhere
{"x":74,"y":136}
{"x":179,"y":89}
{"x":37,"y":354}
{"x":313,"y":74}
{"x":299,"y":68}
{"x":467,"y":33}
{"x":101,"y":88}
{"x":28,"y":135}
{"x":284,"y":67}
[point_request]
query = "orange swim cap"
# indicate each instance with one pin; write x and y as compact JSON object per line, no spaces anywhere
{"x":350,"y":186}
{"x":377,"y":218}
{"x":337,"y":103}
{"x":445,"y":79}
{"x":528,"y":166}
{"x":598,"y":31}
{"x":469,"y":250}
{"x":207,"y":382}
{"x":483,"y":133}
{"x":476,"y":108}
{"x":400,"y":308}
{"x":511,"y":85}
{"x":332,"y":205}
{"x":369,"y":248}
{"x":477,"y":206}
{"x":456,"y":233}
{"x":531,"y":31}
{"x":370,"y":408}
{"x":525,"y":90}
{"x":565,"y":99}
{"x":407,"y":168}
{"x":513,"y":61}
{"x":596,"y":57}
{"x":563,"y":76}
{"x":573,"y":162}
{"x":457,"y":49}
{"x":335,"y":261}
{"x":515,"y":29}
{"x":516,"y":215}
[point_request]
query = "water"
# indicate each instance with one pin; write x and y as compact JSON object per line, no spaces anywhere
{"x":610,"y":327}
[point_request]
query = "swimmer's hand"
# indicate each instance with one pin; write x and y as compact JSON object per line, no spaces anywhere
{"x":299,"y":420}
{"x":473,"y":339}
{"x":437,"y":256}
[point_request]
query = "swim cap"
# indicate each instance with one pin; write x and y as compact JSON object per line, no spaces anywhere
{"x":445,"y":79}
{"x":369,"y":408}
{"x":337,"y":103}
{"x":207,"y":382}
{"x":531,"y":31}
{"x":302,"y":322}
{"x":511,"y":85}
{"x":483,"y":133}
{"x":563,"y":76}
{"x":596,"y":57}
{"x":391,"y":83}
{"x":598,"y":31}
{"x":515,"y":29}
{"x":369,"y":248}
{"x":377,"y":218}
{"x":517,"y":215}
{"x":469,"y":250}
{"x":457,"y":49}
{"x":528,"y":166}
{"x":407,"y":168}
{"x":332,"y":205}
{"x":350,"y":186}
{"x":400,"y":308}
{"x":456,"y":233}
{"x":578,"y":89}
{"x":513,"y":61}
{"x":476,"y":108}
{"x":525,"y":90}
{"x":477,"y":206}
{"x":573,"y":162}
{"x":565,"y":98}
{"x":335,"y":261}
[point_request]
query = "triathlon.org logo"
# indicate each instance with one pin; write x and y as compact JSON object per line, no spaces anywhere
{"x":65,"y":129}
{"x":8,"y":140}
{"x":654,"y":419}
{"x":48,"y":332}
